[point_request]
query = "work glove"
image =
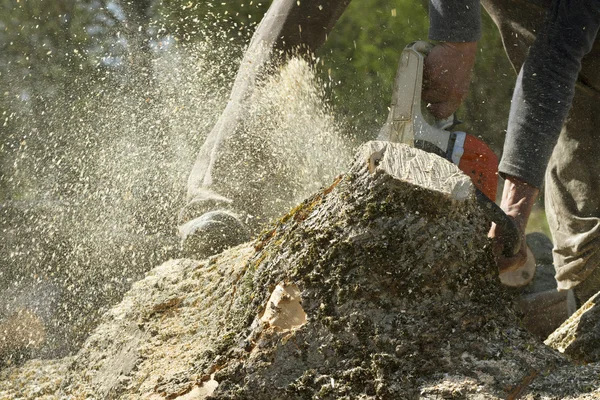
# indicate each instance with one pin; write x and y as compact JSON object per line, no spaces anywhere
{"x":517,"y":202}
{"x":446,"y":77}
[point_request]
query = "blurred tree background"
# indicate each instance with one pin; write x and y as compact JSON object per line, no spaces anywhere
{"x":104,"y":103}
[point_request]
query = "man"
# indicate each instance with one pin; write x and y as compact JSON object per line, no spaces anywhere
{"x":545,"y":39}
{"x":557,"y":34}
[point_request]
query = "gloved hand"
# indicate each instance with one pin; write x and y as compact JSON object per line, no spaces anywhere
{"x":446,"y":76}
{"x":517,"y":202}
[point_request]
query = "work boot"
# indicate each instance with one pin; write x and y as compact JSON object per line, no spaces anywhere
{"x":28,"y":318}
{"x":541,"y":248}
{"x":211,"y":233}
{"x":544,"y":308}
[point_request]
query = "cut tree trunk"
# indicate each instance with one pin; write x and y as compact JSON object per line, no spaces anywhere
{"x":381,"y":286}
{"x":579,"y":336}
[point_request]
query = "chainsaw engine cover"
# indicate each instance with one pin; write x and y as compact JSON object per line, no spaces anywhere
{"x":479,"y":162}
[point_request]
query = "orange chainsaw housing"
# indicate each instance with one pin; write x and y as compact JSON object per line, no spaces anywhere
{"x":481,"y":164}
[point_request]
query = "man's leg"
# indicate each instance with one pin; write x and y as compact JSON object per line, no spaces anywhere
{"x":288,"y":26}
{"x":573,"y":197}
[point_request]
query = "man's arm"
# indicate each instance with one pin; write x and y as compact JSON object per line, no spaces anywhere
{"x":517,"y":202}
{"x":447,"y":72}
{"x":541,"y":101}
{"x":545,"y":88}
{"x":454,"y":20}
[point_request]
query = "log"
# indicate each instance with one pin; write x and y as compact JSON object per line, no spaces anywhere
{"x":579,"y":336}
{"x":381,"y":286}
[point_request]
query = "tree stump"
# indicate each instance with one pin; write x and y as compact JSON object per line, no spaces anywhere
{"x":381,"y":286}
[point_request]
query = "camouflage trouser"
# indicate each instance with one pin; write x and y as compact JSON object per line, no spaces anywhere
{"x":572,"y":187}
{"x":573,"y":198}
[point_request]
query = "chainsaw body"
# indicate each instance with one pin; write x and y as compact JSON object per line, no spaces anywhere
{"x":407,"y":124}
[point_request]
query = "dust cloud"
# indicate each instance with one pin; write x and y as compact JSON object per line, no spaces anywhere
{"x":288,"y":146}
{"x":94,"y":202}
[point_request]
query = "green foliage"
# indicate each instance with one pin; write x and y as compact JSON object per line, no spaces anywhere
{"x":485,"y":110}
{"x":192,"y":20}
{"x":361,"y":56}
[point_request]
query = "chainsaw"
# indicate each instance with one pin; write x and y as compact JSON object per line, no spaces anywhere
{"x":407,"y":124}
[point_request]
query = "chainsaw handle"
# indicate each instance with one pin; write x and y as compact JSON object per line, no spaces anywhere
{"x":424,"y":48}
{"x":511,"y":237}
{"x":406,"y":122}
